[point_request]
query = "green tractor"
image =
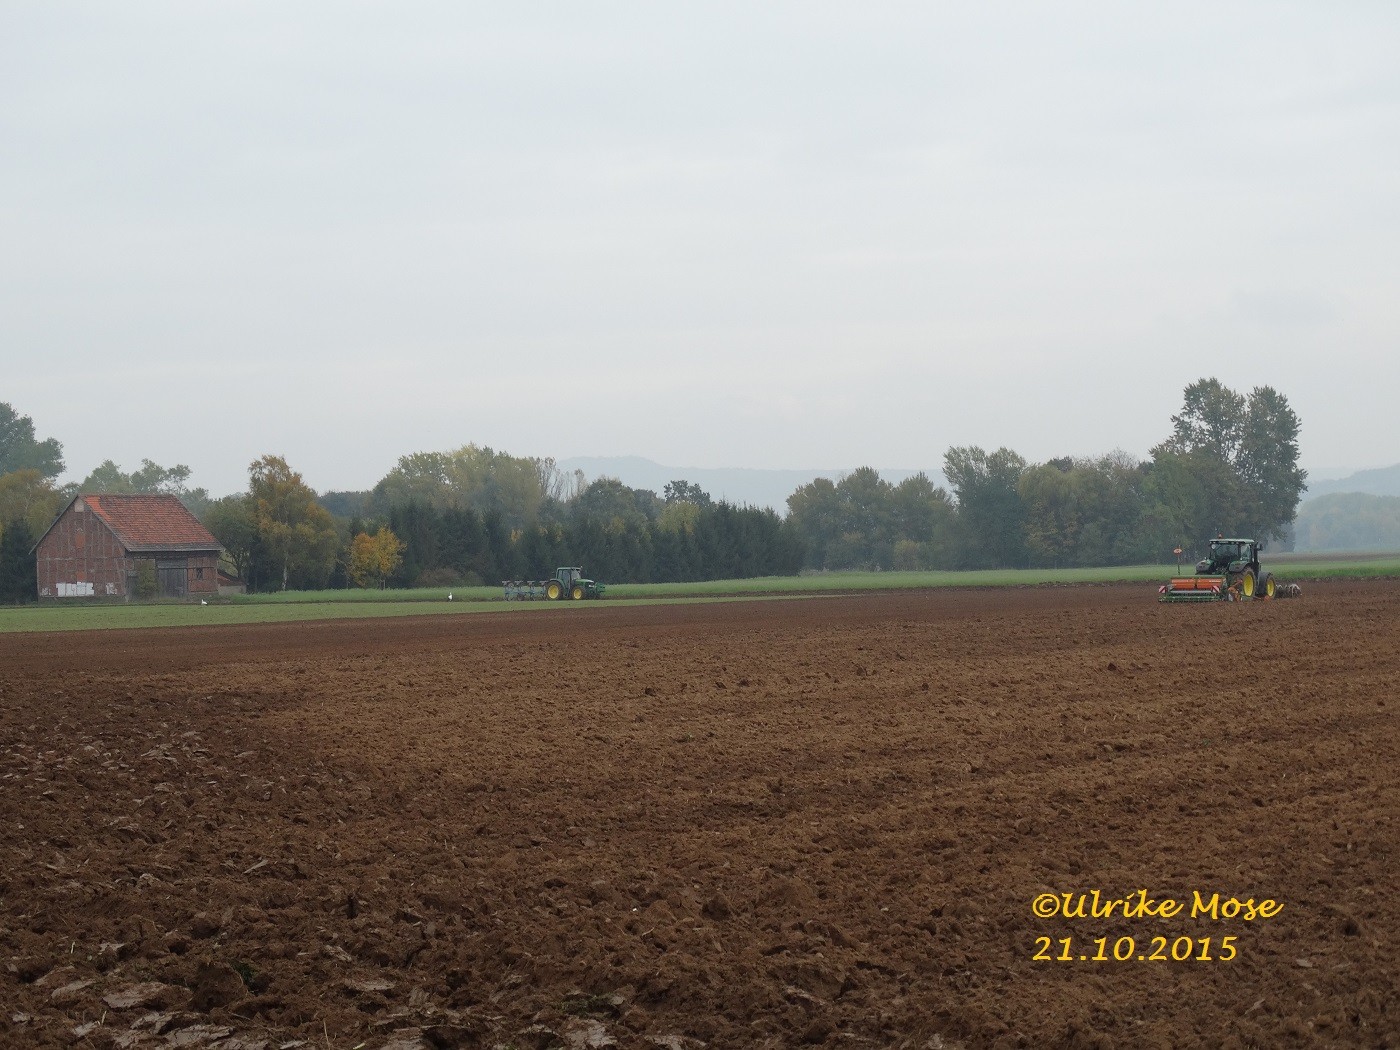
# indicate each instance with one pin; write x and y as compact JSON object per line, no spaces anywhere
{"x":569,"y":582}
{"x":1230,"y":572}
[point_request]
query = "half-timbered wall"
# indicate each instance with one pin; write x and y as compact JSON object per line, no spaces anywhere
{"x":81,"y":557}
{"x":80,"y":549}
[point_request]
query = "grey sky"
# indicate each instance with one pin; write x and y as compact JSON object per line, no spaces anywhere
{"x":771,"y":235}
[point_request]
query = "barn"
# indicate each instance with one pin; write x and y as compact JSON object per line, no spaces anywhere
{"x":127,"y":546}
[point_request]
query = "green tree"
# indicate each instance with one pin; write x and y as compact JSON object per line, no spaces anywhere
{"x":1110,"y":507}
{"x":233,"y":522}
{"x":1268,"y":460}
{"x":1211,"y":421}
{"x":462,"y":545}
{"x":991,"y":513}
{"x":1051,"y":495}
{"x":18,"y":569}
{"x":149,"y":477}
{"x":106,"y":477}
{"x":679,"y":516}
{"x":814,"y":510}
{"x":922,"y":511}
{"x":27,"y":494}
{"x":541,"y":549}
{"x":864,"y":521}
{"x":419,"y":525}
{"x":1256,"y":439}
{"x":683,"y":491}
{"x":421,"y":476}
{"x":146,"y":578}
{"x":609,"y":500}
{"x":521,"y":489}
{"x":21,"y":450}
{"x":510,"y":561}
{"x":924,"y":521}
{"x":611,"y":529}
{"x":297,"y":533}
{"x":519,"y":486}
{"x":676,"y":558}
{"x":1189,"y":498}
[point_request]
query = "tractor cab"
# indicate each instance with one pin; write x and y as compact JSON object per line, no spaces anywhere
{"x":1229,"y":555}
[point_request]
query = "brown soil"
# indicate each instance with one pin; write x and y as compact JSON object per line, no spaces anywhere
{"x":810,"y":822}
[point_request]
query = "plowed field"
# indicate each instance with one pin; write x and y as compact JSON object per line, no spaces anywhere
{"x":818,"y":822}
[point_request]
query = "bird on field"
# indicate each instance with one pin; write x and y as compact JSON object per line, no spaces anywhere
{"x":449,"y":596}
{"x":203,"y":602}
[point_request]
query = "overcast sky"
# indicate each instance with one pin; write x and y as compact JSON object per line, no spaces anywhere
{"x":719,"y":234}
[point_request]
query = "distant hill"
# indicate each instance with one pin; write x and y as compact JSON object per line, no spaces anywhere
{"x":1382,"y":481}
{"x":1348,"y":521}
{"x":738,"y":485}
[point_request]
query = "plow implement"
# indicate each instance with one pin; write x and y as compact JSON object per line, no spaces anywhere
{"x":1195,"y":589}
{"x":1220,"y":589}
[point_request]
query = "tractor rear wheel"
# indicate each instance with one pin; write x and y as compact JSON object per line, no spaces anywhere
{"x":554,"y":591}
{"x":577,"y":593}
{"x":1247,"y":582}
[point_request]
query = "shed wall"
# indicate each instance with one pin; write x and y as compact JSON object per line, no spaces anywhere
{"x":81,"y":550}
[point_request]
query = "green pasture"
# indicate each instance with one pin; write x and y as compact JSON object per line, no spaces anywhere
{"x":357,"y":604}
{"x":226,"y":612}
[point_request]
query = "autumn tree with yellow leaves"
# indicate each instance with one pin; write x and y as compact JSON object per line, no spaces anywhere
{"x":373,"y":559}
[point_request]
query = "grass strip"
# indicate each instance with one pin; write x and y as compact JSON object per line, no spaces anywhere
{"x":292,"y":606}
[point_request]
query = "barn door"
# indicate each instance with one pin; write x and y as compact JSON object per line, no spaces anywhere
{"x":172,"y":578}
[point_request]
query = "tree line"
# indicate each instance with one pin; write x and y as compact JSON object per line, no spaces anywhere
{"x":1230,"y":465}
{"x":280,"y":535}
{"x":476,"y":515}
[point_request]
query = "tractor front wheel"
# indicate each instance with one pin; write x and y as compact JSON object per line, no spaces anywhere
{"x":577,"y":593}
{"x":554,"y":591}
{"x":1247,"y":583}
{"x":1268,"y":588}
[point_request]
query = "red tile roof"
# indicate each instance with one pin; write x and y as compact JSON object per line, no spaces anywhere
{"x":151,"y":522}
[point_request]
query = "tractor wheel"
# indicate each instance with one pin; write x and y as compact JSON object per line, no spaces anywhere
{"x":554,"y":591}
{"x":577,"y":594}
{"x":1268,"y":587}
{"x":1247,"y":583}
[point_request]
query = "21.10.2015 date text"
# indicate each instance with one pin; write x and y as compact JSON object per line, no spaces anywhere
{"x":1129,"y":949}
